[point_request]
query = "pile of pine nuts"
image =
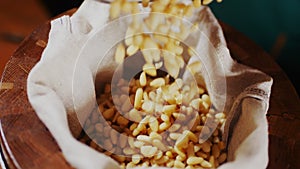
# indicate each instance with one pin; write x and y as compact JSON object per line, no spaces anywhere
{"x":157,"y":119}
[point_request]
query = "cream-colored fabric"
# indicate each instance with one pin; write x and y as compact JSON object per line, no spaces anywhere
{"x":62,"y":83}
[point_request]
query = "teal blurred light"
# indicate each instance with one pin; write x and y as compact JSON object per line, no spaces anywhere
{"x":264,"y":21}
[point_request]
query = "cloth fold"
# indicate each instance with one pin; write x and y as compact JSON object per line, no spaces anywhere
{"x":63,"y":104}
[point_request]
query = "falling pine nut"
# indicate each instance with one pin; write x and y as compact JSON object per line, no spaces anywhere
{"x":120,"y":53}
{"x":157,"y":101}
{"x":131,"y":50}
{"x":149,"y":69}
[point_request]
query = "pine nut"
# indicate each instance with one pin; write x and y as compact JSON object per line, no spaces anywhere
{"x":131,"y":50}
{"x":148,"y":151}
{"x":114,"y":136}
{"x":122,"y":121}
{"x":115,"y":9}
{"x":174,"y":136}
{"x":136,"y":158}
{"x":182,"y":141}
{"x":150,"y":69}
{"x":206,"y":164}
{"x":164,"y":126}
{"x":222,"y":158}
{"x":143,"y":79}
{"x":139,"y":144}
{"x":138,"y":98}
{"x":215,"y":151}
{"x":122,"y":140}
{"x":144,"y":138}
{"x":194,"y":67}
{"x":206,"y":147}
{"x":157,"y":82}
{"x":174,"y":127}
{"x":206,"y":2}
{"x":194,"y":160}
{"x":109,"y":113}
{"x":179,"y":164}
{"x":120,"y":54}
{"x":169,"y":109}
{"x":170,"y":64}
{"x":128,"y":151}
{"x":154,"y":135}
{"x":153,"y":124}
{"x":157,"y":143}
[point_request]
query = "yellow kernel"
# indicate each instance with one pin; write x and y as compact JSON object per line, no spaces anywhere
{"x":169,"y":154}
{"x":182,"y":141}
{"x":171,"y":64}
{"x":128,"y":151}
{"x":169,"y":109}
{"x":153,"y":124}
{"x":174,"y":127}
{"x":194,"y":67}
{"x":136,"y":158}
{"x":138,"y":40}
{"x":220,"y":116}
{"x":197,"y":3}
{"x":165,"y":118}
{"x":164,"y":126}
{"x":194,"y":160}
{"x":134,"y":116}
{"x":174,"y":136}
{"x":138,"y":98}
{"x":158,"y":82}
{"x":149,"y":69}
{"x":157,"y":143}
{"x":131,"y":50}
{"x":144,"y":138}
{"x":179,"y":164}
{"x":158,"y":155}
{"x":206,"y":2}
{"x":138,"y":144}
{"x":206,"y":164}
{"x":148,"y":151}
{"x":115,"y":9}
{"x":120,"y":53}
{"x":143,"y":79}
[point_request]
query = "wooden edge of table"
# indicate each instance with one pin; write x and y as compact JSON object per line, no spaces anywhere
{"x":33,"y":147}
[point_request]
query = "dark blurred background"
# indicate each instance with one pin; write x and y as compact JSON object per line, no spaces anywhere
{"x":272,"y":24}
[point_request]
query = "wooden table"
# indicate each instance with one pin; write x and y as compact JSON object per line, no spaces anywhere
{"x":26,"y":143}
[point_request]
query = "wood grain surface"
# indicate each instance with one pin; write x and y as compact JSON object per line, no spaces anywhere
{"x":27,"y":144}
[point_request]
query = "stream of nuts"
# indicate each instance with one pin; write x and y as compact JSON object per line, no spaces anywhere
{"x":155,"y":118}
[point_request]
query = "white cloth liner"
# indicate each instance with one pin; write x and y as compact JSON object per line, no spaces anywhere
{"x":54,"y":94}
